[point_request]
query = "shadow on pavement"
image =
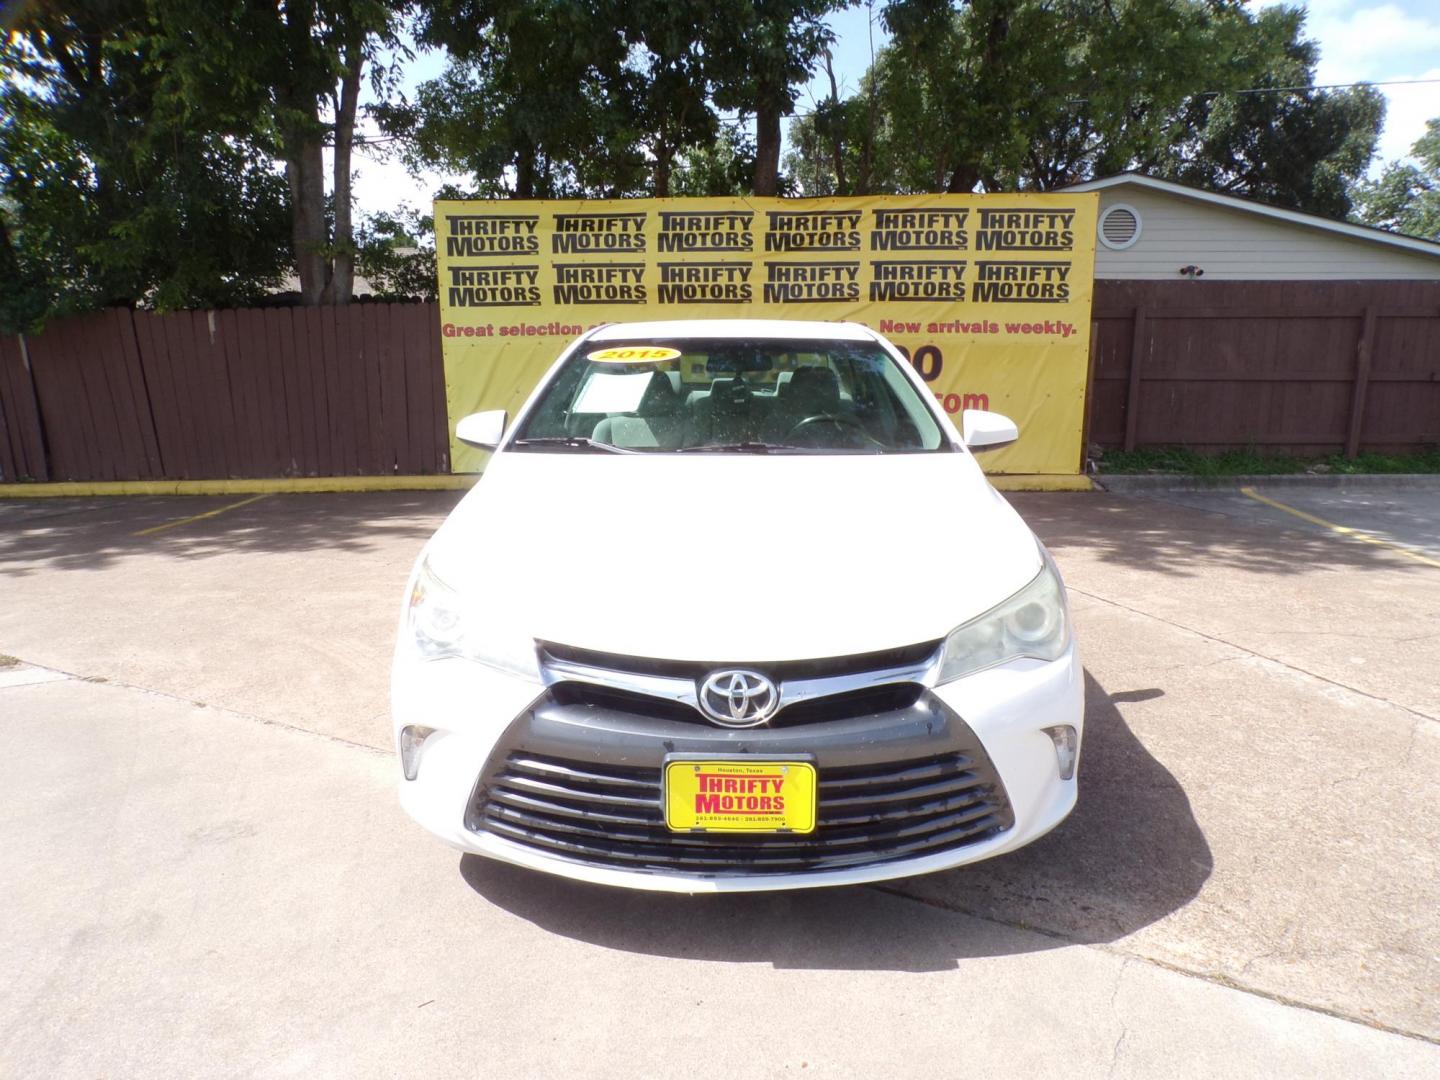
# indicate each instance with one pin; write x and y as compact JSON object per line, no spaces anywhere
{"x":1130,"y":854}
{"x":86,"y":534}
{"x":1182,"y":541}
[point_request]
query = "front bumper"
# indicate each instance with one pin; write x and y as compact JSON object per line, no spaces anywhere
{"x":990,"y":723}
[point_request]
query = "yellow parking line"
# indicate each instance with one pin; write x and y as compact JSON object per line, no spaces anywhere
{"x":1342,"y":530}
{"x":199,"y":517}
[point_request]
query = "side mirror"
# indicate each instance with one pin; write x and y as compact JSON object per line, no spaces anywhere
{"x":482,"y":429}
{"x":987,"y":430}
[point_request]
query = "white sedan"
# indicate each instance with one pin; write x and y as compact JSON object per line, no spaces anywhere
{"x":733,"y":608}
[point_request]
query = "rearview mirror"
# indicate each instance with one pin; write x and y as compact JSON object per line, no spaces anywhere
{"x":482,"y":429}
{"x":987,"y":430}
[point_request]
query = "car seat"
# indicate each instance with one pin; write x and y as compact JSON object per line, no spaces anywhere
{"x":657,"y":423}
{"x":811,"y":391}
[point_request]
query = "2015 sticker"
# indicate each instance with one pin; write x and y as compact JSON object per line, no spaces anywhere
{"x":634,"y":354}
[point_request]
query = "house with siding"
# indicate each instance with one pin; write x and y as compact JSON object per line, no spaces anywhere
{"x":1154,"y":230}
{"x":1219,"y":322}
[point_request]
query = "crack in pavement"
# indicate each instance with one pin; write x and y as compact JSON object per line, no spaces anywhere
{"x":1124,"y":1028}
{"x":105,"y":680}
{"x":1215,"y":978}
{"x":1258,"y":655}
{"x":1404,"y":759}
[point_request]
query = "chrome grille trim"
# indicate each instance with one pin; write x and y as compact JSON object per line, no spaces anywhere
{"x":685,"y":691}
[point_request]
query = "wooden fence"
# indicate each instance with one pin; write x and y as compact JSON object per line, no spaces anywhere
{"x":323,"y":391}
{"x":1299,"y":367}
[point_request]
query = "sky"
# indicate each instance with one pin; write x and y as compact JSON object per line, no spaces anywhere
{"x":1387,"y":41}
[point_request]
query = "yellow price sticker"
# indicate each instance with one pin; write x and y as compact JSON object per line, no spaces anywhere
{"x":634,"y":354}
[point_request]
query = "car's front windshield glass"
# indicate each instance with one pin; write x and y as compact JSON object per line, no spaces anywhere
{"x":731,"y":395}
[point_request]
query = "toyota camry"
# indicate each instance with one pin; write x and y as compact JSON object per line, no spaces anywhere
{"x":733,"y":607}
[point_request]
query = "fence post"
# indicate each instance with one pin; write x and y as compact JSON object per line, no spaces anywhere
{"x":1089,"y":392}
{"x":1363,"y":351}
{"x":1132,"y":397}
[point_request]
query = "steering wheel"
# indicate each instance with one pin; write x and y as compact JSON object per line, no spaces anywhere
{"x":836,"y":420}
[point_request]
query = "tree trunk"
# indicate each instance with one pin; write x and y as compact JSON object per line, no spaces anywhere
{"x":767,"y":150}
{"x":867,"y":149}
{"x":342,"y":283}
{"x":304,"y":159}
{"x":664,"y":159}
{"x":305,"y":169}
{"x":963,"y":179}
{"x":837,"y":129}
{"x":525,"y":173}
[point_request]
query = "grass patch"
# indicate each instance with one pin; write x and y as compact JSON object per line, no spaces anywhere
{"x":1253,"y":462}
{"x":9,"y":661}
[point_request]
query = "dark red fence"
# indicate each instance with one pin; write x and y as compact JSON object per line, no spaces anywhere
{"x":323,"y":391}
{"x":1300,"y":367}
{"x":1286,"y":366}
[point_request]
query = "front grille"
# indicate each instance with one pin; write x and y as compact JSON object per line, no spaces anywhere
{"x":867,"y":701}
{"x":780,"y":671}
{"x":610,"y":815}
{"x":863,"y":684}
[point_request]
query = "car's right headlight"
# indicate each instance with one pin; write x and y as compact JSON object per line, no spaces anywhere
{"x":442,"y":623}
{"x":1035,"y":622}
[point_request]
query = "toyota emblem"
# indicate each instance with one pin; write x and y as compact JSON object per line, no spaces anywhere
{"x":738,"y":698}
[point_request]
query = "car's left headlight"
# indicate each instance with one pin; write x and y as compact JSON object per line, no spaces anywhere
{"x":1035,"y":622}
{"x":441,"y":623}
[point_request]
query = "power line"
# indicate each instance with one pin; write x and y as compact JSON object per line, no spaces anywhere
{"x":1293,"y":89}
{"x":744,"y":118}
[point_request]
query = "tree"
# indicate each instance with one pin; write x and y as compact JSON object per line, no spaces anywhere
{"x":108,"y":196}
{"x":395,"y":253}
{"x":665,"y":86}
{"x":1406,"y":197}
{"x":529,"y":101}
{"x":842,"y":147}
{"x":724,"y":167}
{"x":1299,"y":148}
{"x":1038,"y":94}
{"x":603,"y":98}
{"x":272,"y":72}
{"x":758,"y":52}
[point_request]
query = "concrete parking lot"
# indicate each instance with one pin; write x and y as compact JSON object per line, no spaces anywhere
{"x":205,"y":872}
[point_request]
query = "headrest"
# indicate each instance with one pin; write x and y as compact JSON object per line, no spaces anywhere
{"x":729,"y":394}
{"x":659,"y":397}
{"x":814,"y":389}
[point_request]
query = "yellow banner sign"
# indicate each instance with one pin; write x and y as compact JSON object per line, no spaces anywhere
{"x":988,"y":295}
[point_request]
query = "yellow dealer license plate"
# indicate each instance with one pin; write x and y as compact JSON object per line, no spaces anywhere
{"x":743,"y":796}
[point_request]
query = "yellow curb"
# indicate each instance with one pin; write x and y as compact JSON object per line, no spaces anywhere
{"x":1041,"y":482}
{"x":455,"y":482}
{"x":261,"y":486}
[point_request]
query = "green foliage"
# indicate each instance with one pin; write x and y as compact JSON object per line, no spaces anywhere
{"x":1406,"y":197}
{"x":268,"y":73}
{"x":1300,"y":149}
{"x":1255,"y":463}
{"x":723,"y":167}
{"x":530,"y":102}
{"x":757,"y":53}
{"x":603,"y":99}
{"x":1037,"y":94}
{"x":396,"y":255}
{"x":107,"y":196}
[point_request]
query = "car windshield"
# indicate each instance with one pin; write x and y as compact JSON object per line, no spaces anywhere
{"x":731,"y":395}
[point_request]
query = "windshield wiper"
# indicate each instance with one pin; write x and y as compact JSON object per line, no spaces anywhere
{"x":579,"y":442}
{"x":742,"y":448}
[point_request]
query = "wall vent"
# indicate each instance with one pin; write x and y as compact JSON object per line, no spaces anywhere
{"x":1119,"y":227}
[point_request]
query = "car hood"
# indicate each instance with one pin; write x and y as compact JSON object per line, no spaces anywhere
{"x":733,"y":557}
